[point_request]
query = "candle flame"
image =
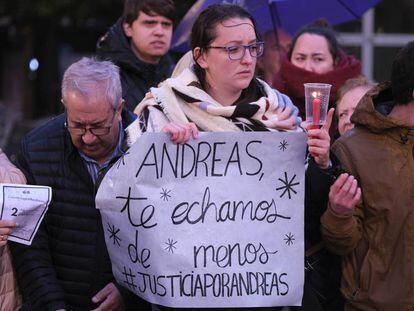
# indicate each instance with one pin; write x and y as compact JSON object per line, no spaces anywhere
{"x":315,"y":94}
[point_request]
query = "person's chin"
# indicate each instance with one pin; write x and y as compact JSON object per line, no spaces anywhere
{"x":159,"y":49}
{"x":244,"y":82}
{"x":347,"y":128}
{"x":90,"y":151}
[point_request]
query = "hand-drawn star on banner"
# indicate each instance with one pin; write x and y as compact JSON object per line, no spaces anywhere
{"x":170,"y":245}
{"x":288,"y":186}
{"x":129,"y":278}
{"x":121,"y":160}
{"x":283,"y":145}
{"x":165,"y":194}
{"x":113,"y":234}
{"x":289,"y":238}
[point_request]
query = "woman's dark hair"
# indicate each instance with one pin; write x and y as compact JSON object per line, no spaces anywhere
{"x":322,"y":28}
{"x":402,"y":75}
{"x":132,"y":8}
{"x":204,"y":30}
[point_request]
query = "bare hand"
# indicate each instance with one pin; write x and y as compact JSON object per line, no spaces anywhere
{"x":287,"y":118}
{"x":319,"y":141}
{"x":181,"y":133}
{"x":6,"y":227}
{"x":109,"y":299}
{"x":344,"y":194}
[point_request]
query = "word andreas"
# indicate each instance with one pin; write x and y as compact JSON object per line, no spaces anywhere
{"x":200,"y":160}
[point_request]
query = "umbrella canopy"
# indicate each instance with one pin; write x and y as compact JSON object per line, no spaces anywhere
{"x":290,"y":15}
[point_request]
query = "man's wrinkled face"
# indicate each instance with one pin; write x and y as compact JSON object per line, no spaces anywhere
{"x":98,"y":121}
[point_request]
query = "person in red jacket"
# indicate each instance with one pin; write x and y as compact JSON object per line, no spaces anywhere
{"x":315,"y":56}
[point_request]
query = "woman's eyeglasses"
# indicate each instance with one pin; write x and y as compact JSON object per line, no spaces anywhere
{"x":237,"y":52}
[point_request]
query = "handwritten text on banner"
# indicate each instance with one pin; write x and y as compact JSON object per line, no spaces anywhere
{"x":217,"y":222}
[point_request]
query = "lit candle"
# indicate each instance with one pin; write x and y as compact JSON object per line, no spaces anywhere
{"x":316,"y":110}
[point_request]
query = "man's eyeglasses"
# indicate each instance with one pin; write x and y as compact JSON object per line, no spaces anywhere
{"x":237,"y":52}
{"x":97,"y":131}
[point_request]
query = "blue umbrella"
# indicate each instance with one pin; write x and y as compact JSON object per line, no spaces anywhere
{"x":272,"y":14}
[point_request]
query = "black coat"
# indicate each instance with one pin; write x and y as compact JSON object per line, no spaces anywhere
{"x":68,"y":262}
{"x":323,"y":268}
{"x":137,"y":77}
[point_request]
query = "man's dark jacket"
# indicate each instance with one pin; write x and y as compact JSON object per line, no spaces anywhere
{"x":68,"y":262}
{"x":137,"y":77}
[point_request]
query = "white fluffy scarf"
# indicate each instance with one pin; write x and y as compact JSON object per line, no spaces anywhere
{"x":205,"y":112}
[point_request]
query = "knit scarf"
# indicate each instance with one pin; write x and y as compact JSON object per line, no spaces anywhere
{"x":181,"y":99}
{"x":290,"y":79}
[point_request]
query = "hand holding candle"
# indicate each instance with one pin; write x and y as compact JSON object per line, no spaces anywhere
{"x":319,"y":142}
{"x":317,"y":101}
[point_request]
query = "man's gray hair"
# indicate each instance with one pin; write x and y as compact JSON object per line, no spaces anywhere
{"x":90,"y":77}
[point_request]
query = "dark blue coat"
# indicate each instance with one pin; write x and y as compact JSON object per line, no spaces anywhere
{"x":68,"y":262}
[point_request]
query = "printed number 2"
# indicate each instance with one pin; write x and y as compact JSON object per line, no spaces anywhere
{"x":15,"y":210}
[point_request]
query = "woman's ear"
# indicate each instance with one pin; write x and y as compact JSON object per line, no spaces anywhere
{"x":199,"y":57}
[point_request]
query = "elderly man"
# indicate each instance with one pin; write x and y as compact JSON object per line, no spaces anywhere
{"x":67,"y":267}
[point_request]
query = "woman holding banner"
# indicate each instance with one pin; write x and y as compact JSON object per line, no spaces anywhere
{"x":9,"y":296}
{"x":220,"y":92}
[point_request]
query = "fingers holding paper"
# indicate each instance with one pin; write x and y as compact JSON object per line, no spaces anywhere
{"x":180,"y":132}
{"x":6,"y":227}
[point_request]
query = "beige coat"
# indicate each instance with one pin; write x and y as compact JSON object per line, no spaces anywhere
{"x":9,"y":294}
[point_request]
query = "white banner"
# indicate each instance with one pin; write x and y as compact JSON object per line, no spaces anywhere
{"x":217,"y":222}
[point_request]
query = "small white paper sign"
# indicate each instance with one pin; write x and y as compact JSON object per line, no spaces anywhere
{"x":217,"y":222}
{"x":26,"y":205}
